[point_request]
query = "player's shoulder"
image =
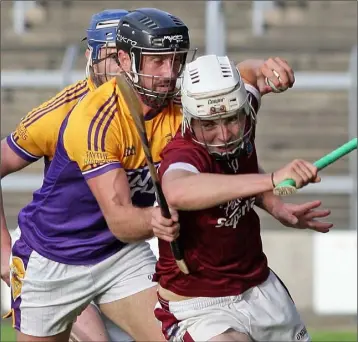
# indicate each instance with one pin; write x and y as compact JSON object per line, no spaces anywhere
{"x":45,"y":120}
{"x":94,"y":116}
{"x":254,"y":96}
{"x":69,"y":95}
{"x":77,"y":87}
{"x":180,"y":140}
{"x":97,"y":99}
{"x":182,"y":147}
{"x":60,"y":103}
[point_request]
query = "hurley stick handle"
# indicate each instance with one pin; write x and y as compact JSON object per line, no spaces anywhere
{"x":288,"y":186}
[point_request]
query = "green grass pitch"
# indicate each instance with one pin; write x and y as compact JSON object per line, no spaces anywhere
{"x":8,"y":335}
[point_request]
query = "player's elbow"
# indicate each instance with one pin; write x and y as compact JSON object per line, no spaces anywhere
{"x":175,"y":196}
{"x":5,"y":165}
{"x":128,"y":239}
{"x":129,"y":224}
{"x":179,"y":188}
{"x":5,"y":168}
{"x":122,"y":232}
{"x":10,"y":161}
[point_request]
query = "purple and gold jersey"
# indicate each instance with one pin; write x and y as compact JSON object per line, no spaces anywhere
{"x":64,"y":222}
{"x":36,"y":135}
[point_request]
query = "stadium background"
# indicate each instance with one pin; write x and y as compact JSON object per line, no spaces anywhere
{"x":41,"y":52}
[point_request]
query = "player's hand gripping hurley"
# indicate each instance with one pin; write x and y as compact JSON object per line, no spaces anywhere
{"x":135,"y":108}
{"x":288,"y":186}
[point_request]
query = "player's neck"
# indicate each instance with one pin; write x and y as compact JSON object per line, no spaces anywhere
{"x":146,"y":109}
{"x":150,"y":113}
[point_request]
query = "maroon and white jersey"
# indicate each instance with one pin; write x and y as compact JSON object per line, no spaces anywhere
{"x":222,"y":245}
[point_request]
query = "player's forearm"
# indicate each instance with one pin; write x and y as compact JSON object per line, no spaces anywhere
{"x":249,"y":70}
{"x":126,"y":222}
{"x":267,"y":200}
{"x":204,"y":190}
{"x":131,"y":224}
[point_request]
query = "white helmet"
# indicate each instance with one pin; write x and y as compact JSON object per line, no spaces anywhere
{"x":212,"y":89}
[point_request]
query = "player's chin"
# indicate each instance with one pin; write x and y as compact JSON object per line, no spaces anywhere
{"x":164,"y":89}
{"x":223,"y":150}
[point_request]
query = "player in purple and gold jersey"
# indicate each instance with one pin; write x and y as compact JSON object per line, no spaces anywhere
{"x":99,"y":161}
{"x":36,"y":137}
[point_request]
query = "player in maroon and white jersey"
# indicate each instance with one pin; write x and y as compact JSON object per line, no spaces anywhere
{"x":210,"y":174}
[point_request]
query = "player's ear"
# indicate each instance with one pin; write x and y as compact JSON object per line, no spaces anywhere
{"x":124,"y":60}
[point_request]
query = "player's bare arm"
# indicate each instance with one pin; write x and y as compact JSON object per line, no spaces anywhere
{"x":127,"y":223}
{"x":10,"y":162}
{"x":302,"y":216}
{"x":187,"y":190}
{"x":267,"y":200}
{"x":276,"y":70}
{"x":5,"y":246}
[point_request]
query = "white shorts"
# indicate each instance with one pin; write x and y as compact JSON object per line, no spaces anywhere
{"x":47,"y":296}
{"x":265,"y":313}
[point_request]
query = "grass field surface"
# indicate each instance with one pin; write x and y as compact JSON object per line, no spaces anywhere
{"x":8,"y":335}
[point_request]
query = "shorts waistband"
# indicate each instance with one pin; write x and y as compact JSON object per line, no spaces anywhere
{"x":196,"y":303}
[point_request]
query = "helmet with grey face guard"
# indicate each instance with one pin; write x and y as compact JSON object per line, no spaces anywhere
{"x":215,"y":100}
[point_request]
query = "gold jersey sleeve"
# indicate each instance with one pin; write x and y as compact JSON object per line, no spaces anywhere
{"x":37,"y":133}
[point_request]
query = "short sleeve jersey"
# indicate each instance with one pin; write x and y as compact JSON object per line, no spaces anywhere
{"x":222,"y":245}
{"x":36,"y":134}
{"x":101,"y":136}
{"x":64,"y":221}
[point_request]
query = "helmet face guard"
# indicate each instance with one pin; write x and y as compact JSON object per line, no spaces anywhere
{"x":239,"y":122}
{"x":156,"y":90}
{"x":101,"y":36}
{"x":99,"y":68}
{"x":147,"y":35}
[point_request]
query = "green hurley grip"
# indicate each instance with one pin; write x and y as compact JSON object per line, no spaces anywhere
{"x":327,"y":160}
{"x":285,"y":183}
{"x":336,"y":154}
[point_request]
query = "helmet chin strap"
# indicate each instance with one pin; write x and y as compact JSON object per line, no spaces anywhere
{"x":89,"y":63}
{"x":90,"y":71}
{"x":95,"y":79}
{"x":229,"y":155}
